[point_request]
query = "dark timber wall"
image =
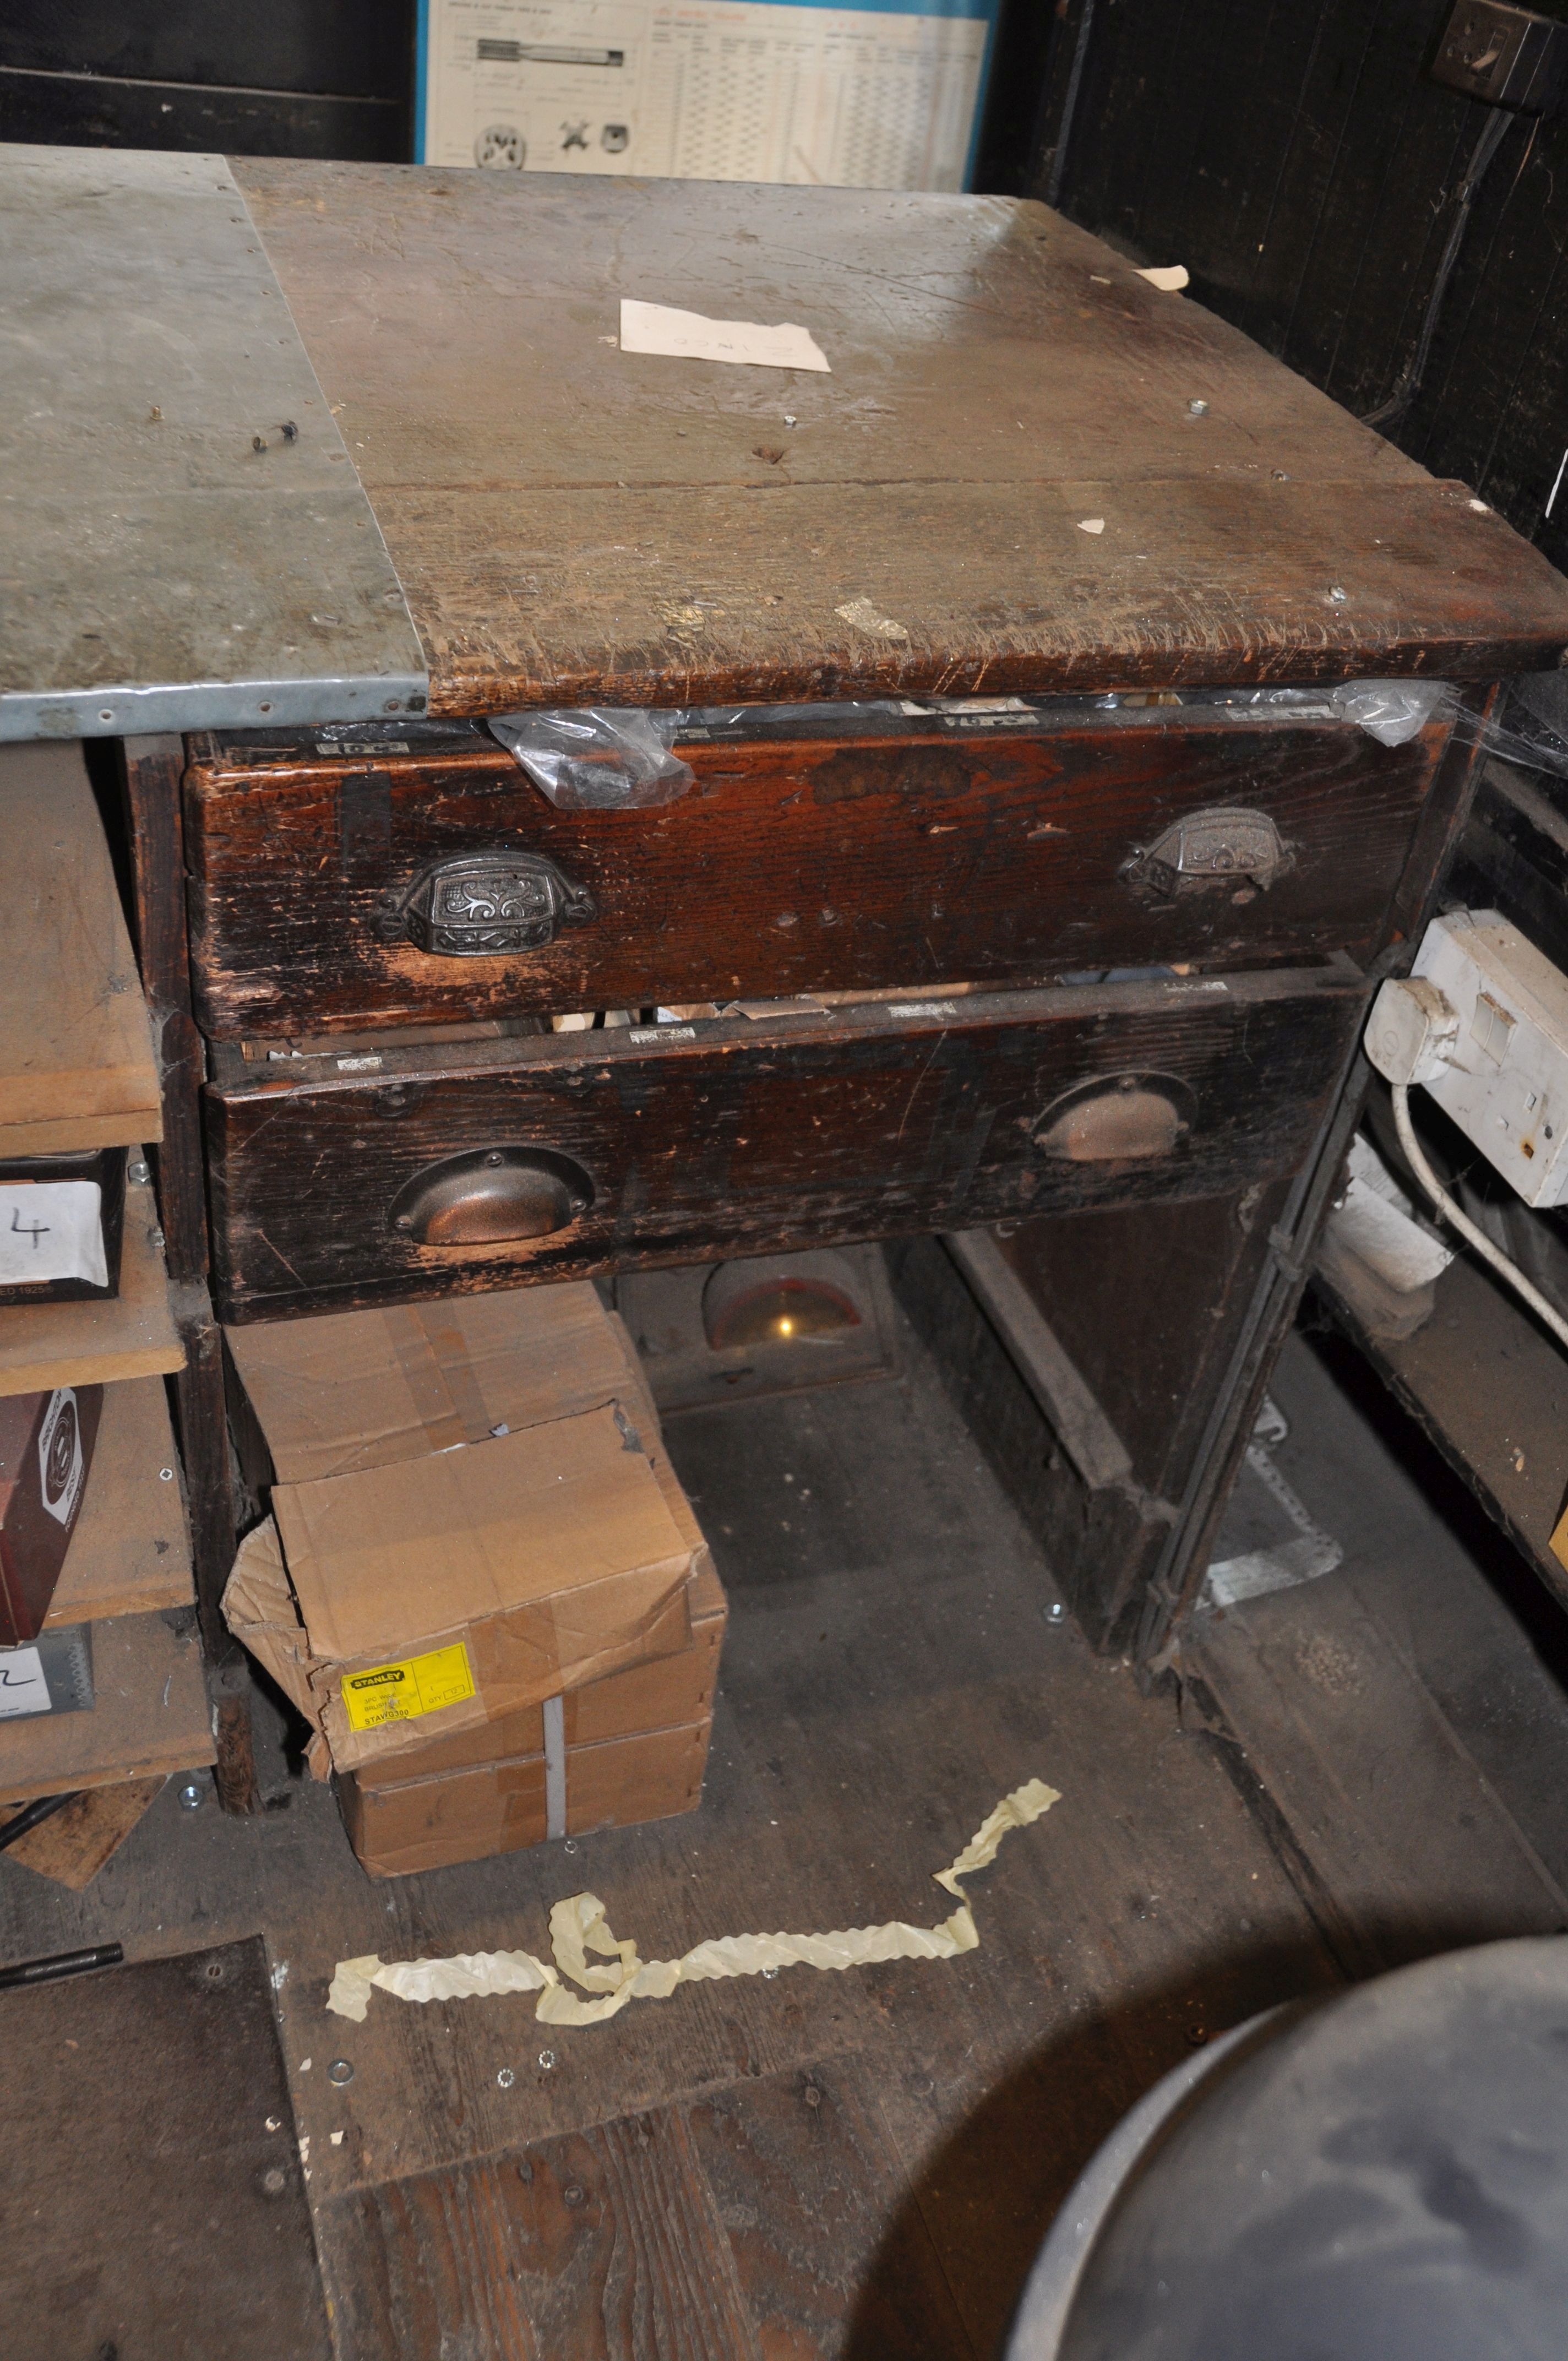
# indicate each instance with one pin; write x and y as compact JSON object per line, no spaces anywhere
{"x":238,"y":77}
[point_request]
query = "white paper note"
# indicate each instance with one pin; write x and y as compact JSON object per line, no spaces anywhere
{"x":686,"y":335}
{"x":51,"y":1229}
{"x":23,"y":1689}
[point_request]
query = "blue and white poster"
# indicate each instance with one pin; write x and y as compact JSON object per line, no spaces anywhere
{"x":878,"y":96}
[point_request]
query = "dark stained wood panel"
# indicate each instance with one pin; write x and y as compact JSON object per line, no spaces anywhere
{"x":797,"y":866}
{"x":573,"y":524}
{"x":736,"y":1138}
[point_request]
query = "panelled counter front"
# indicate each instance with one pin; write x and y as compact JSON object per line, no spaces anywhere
{"x":1031,"y":880}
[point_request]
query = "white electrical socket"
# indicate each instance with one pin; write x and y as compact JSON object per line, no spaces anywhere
{"x":1482,"y":1023}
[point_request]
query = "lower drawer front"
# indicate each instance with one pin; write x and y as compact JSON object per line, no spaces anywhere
{"x":437,"y":884}
{"x":559,"y":1156}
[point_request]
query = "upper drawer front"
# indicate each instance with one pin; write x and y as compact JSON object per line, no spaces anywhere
{"x":794,"y":864}
{"x":556,"y":1156}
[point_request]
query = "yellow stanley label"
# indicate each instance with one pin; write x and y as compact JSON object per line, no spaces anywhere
{"x":401,"y":1692}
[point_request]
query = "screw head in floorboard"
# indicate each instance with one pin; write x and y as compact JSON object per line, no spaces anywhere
{"x":574,"y":2193}
{"x":190,"y":1795}
{"x":340,"y":2071}
{"x":274,"y":2182}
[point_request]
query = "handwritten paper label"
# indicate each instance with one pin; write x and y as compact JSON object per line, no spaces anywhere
{"x":23,"y":1689}
{"x":51,"y":1229}
{"x":687,"y":335}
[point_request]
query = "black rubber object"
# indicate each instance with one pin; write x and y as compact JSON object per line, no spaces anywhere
{"x":1382,"y":2178}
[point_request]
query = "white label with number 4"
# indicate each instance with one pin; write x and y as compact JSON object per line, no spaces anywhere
{"x":51,"y":1229}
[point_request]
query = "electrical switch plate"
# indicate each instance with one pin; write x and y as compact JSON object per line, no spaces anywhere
{"x":1504,"y":1075}
{"x":1508,"y":57}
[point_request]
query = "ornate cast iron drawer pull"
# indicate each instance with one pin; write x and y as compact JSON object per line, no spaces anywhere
{"x":485,"y":904}
{"x":490,"y":1195}
{"x":1205,"y":850}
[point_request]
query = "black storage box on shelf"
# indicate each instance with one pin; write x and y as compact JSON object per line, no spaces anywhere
{"x":62,"y":1219}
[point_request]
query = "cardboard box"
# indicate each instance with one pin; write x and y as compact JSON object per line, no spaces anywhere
{"x":46,"y":1451}
{"x":670,"y":1691}
{"x":431,"y":1596}
{"x":357,"y":1389}
{"x":494,"y":1808}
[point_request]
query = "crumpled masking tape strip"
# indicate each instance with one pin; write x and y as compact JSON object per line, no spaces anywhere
{"x":617,"y":1975}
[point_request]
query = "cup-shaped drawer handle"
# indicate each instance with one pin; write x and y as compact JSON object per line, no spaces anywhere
{"x":485,"y":904}
{"x":1117,"y":1119}
{"x":490,"y":1195}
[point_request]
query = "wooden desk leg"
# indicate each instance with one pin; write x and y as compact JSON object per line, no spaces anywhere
{"x":153,"y":769}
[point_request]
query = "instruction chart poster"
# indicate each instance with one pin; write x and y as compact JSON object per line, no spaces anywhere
{"x":705,"y":90}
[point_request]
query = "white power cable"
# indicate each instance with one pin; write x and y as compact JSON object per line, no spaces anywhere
{"x":1414,"y":1156}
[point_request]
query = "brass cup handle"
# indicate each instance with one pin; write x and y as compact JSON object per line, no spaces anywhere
{"x":1117,"y":1119}
{"x":491,"y":1195}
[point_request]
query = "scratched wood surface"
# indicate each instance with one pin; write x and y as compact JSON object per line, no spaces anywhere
{"x":577,"y":525}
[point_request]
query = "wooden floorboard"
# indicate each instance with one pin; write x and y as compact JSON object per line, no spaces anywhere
{"x":1343,"y":1704}
{"x":890,"y":1671}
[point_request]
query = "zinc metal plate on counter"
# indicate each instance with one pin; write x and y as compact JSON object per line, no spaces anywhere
{"x":184,"y":541}
{"x":349,"y":1178}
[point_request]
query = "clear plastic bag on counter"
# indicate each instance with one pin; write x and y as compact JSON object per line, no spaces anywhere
{"x":1389,"y":710}
{"x":598,"y":758}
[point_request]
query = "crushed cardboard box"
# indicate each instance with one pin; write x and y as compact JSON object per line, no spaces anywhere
{"x":629,"y":1748}
{"x":350,"y":1391}
{"x":434,"y":1594}
{"x":420,"y":1594}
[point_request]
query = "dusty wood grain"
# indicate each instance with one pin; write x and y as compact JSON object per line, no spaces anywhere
{"x":573,"y":524}
{"x":131,"y":1334}
{"x":153,"y":2210}
{"x":792,"y":865}
{"x":76,"y":1063}
{"x":130,"y":1553}
{"x":150,"y":1715}
{"x":606,"y":2246}
{"x":867,"y":1122}
{"x":72,"y":1845}
{"x":811,"y":2190}
{"x":760,"y":2223}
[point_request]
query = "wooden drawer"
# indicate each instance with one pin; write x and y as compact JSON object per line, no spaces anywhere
{"x":991,"y":848}
{"x":398,"y":1173}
